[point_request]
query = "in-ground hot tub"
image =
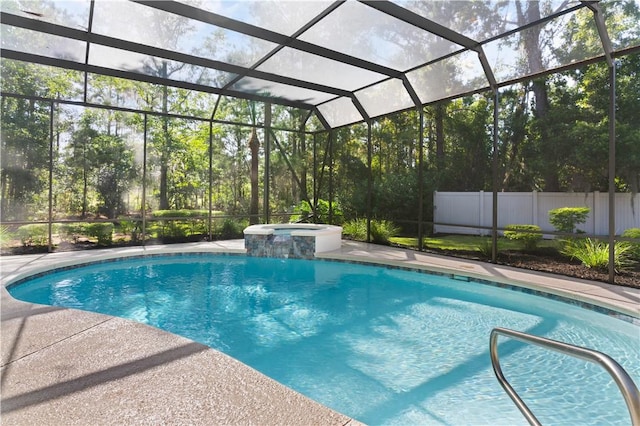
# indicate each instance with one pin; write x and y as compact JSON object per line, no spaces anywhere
{"x":295,"y":240}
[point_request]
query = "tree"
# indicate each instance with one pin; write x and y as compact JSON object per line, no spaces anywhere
{"x":350,"y":171}
{"x":172,"y":32}
{"x":99,"y":166}
{"x":81,"y":159}
{"x":24,"y":142}
{"x":569,"y":125}
{"x":292,"y":154}
{"x":594,"y":104}
{"x":114,"y":173}
{"x":514,"y":141}
{"x":25,"y":156}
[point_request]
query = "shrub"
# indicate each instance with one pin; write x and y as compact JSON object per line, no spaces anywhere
{"x":355,"y":229}
{"x":154,"y":229}
{"x":631,"y":233}
{"x":485,"y":247}
{"x":180,"y":213}
{"x":35,"y":234}
{"x":231,"y":228}
{"x":527,"y":235}
{"x":180,"y":228}
{"x":303,"y":210}
{"x":595,"y":254}
{"x":5,"y":235}
{"x":176,"y":228}
{"x":566,"y":219}
{"x":130,"y":227}
{"x":635,"y":247}
{"x":72,"y":231}
{"x":381,"y":230}
{"x":102,"y":231}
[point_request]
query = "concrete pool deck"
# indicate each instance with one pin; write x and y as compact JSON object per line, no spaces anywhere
{"x":64,"y":366}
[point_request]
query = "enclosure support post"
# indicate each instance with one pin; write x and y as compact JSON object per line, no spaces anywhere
{"x":494,"y":213}
{"x":330,"y":147}
{"x":267,"y":159}
{"x":611,"y":63}
{"x":50,"y":224}
{"x":420,"y":177}
{"x":211,"y":179}
{"x":612,"y":171}
{"x":327,"y":160}
{"x":369,"y":180}
{"x":87,"y":50}
{"x":304,"y":166}
{"x":144,"y":184}
{"x":315,"y":170}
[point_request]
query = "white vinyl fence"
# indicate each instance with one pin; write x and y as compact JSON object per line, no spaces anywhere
{"x":530,"y":208}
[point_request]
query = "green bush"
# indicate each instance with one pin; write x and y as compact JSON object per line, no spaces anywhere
{"x":381,"y":230}
{"x":103,"y":232}
{"x":180,"y":213}
{"x":5,"y":235}
{"x":130,"y":227}
{"x":566,"y":219}
{"x":154,"y":229}
{"x":595,"y":254}
{"x":180,"y":228}
{"x":231,"y":228}
{"x":527,"y":235}
{"x":36,"y":234}
{"x":72,"y":231}
{"x":631,"y":233}
{"x":173,"y":228}
{"x":355,"y":229}
{"x":485,"y":247}
{"x":303,"y":210}
{"x":635,"y":247}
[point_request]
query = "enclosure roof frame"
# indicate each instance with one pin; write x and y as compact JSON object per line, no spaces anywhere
{"x":307,"y":67}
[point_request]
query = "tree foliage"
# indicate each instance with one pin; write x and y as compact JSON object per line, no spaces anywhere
{"x":566,"y":219}
{"x":24,"y":144}
{"x":553,"y":132}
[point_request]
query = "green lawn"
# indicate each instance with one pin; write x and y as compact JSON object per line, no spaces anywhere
{"x":465,"y":242}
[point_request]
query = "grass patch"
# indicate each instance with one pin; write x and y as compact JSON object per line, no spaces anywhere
{"x":381,"y":230}
{"x":465,"y":242}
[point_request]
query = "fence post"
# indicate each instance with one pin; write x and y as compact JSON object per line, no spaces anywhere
{"x":534,"y":208}
{"x":481,"y":213}
{"x":595,"y":213}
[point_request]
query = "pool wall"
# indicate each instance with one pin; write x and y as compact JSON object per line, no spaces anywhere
{"x":291,"y":240}
{"x":54,"y":337}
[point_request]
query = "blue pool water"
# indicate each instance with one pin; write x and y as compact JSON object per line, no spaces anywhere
{"x":384,"y":346}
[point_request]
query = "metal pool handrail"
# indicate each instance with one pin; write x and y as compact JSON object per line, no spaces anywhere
{"x":620,"y":376}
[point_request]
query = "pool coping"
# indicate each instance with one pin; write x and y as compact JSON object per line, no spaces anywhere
{"x":63,"y":365}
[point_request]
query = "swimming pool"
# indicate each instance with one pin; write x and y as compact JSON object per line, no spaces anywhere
{"x":370,"y":342}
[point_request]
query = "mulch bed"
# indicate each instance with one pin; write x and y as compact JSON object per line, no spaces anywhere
{"x":552,"y":262}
